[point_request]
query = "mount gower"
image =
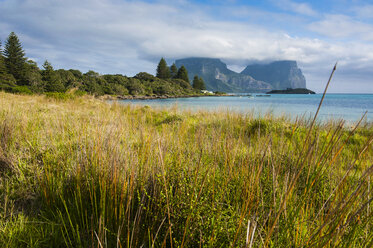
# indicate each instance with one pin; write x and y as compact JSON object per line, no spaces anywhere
{"x":277,"y":75}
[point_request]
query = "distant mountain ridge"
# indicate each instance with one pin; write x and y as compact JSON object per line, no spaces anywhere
{"x":255,"y":78}
{"x":280,"y":74}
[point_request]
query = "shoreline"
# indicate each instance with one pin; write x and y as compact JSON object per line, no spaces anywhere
{"x":154,"y":97}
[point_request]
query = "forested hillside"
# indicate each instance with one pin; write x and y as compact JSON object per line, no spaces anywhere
{"x":18,"y":74}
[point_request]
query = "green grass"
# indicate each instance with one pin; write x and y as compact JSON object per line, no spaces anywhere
{"x":84,"y":173}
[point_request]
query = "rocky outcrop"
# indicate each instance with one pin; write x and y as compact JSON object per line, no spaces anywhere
{"x":218,"y":77}
{"x":277,"y":75}
{"x":280,"y":74}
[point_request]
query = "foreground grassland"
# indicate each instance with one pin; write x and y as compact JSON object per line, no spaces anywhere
{"x":84,"y":173}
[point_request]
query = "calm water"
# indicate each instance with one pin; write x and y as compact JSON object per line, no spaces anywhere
{"x":347,"y":106}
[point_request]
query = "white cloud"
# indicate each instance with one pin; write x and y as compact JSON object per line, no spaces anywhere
{"x":364,"y":12}
{"x":300,"y":8}
{"x":342,"y":26}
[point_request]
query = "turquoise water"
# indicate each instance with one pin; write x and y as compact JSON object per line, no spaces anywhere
{"x":350,"y":107}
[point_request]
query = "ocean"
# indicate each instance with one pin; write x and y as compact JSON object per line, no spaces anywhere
{"x":349,"y":107}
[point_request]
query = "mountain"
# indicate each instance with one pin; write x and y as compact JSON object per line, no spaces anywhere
{"x":280,"y":74}
{"x":218,"y":77}
{"x":255,"y":78}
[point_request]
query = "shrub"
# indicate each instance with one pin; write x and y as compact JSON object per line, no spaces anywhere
{"x":59,"y":96}
{"x":20,"y":90}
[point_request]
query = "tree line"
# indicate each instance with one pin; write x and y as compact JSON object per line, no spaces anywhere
{"x":18,"y":74}
{"x":165,"y":72}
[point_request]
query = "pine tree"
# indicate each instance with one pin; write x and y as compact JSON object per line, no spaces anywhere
{"x":202,"y":84}
{"x":173,"y":70}
{"x":2,"y":61}
{"x":198,"y":83}
{"x":15,"y":57}
{"x":6,"y":80}
{"x":182,"y":73}
{"x":163,"y":71}
{"x":51,"y":79}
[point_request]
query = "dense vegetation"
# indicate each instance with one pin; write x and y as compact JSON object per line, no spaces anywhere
{"x":85,"y":173}
{"x":21,"y":75}
{"x":292,"y":91}
{"x":198,"y":83}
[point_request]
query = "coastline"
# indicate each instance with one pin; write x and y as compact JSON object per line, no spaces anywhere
{"x":154,"y":97}
{"x":291,"y":105}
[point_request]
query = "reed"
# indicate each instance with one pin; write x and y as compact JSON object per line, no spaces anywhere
{"x":85,"y":173}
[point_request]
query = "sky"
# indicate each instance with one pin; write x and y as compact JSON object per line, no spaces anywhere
{"x":130,"y":36}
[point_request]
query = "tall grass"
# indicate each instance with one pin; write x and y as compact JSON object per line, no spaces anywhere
{"x":84,"y":173}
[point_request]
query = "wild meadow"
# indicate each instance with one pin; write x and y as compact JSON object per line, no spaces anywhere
{"x":82,"y":172}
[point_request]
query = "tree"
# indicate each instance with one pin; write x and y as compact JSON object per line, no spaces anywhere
{"x":145,"y":77}
{"x":2,"y":61}
{"x":182,"y":73}
{"x":198,"y":83}
{"x":77,"y":74}
{"x":93,"y":74}
{"x":135,"y":87}
{"x":163,"y":71}
{"x":173,"y":70}
{"x":51,"y":79}
{"x":67,"y":78}
{"x":6,"y":80}
{"x":202,"y":84}
{"x":33,"y":77}
{"x":15,"y":58}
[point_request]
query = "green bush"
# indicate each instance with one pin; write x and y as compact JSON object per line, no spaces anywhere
{"x":59,"y":96}
{"x":79,"y":93}
{"x":20,"y":90}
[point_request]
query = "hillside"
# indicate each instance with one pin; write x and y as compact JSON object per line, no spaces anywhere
{"x":218,"y":77}
{"x":277,"y":75}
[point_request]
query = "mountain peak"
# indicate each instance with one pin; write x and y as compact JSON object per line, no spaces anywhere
{"x":281,"y":74}
{"x":255,"y":78}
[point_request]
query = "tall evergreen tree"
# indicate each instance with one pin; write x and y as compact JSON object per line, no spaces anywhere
{"x":198,"y":83}
{"x":173,"y":70}
{"x":2,"y":61}
{"x":163,"y":71}
{"x":202,"y":84}
{"x":51,"y":79}
{"x":182,"y":73}
{"x":6,"y":80}
{"x":15,"y":57}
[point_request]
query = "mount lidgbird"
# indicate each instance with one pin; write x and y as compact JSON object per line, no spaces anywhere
{"x":277,"y":75}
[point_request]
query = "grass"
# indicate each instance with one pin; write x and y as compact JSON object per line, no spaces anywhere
{"x":83,"y":173}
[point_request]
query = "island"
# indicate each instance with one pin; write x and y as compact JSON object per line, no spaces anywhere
{"x":292,"y":91}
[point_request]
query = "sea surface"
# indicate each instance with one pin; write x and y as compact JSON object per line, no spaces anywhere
{"x":349,"y":107}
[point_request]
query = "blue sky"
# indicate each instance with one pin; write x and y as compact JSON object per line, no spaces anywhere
{"x":129,"y":36}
